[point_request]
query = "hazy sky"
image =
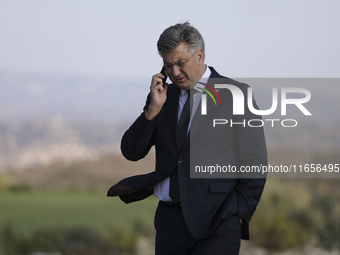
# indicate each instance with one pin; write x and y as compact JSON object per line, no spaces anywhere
{"x":117,"y":39}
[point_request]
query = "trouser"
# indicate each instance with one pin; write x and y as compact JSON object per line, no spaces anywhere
{"x":174,"y":237}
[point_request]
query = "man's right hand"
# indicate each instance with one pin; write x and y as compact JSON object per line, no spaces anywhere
{"x":158,"y":96}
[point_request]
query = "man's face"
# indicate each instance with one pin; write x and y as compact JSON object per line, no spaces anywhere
{"x":194,"y":68}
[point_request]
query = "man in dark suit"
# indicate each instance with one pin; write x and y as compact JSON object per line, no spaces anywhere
{"x":201,"y":215}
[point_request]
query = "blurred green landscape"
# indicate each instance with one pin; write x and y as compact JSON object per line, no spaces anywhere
{"x":42,"y":204}
{"x":63,"y":209}
{"x":29,"y":211}
{"x":35,"y":220}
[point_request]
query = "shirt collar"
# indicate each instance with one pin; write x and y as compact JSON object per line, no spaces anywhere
{"x":203,"y":79}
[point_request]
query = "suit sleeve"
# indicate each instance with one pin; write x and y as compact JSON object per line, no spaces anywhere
{"x":138,"y":139}
{"x":252,"y":152}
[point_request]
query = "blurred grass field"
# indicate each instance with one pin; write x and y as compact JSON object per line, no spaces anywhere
{"x":37,"y":210}
{"x":27,"y":212}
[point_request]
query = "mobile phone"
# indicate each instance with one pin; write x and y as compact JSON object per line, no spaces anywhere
{"x":165,"y":74}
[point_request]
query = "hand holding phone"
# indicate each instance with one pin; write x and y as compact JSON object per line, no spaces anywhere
{"x":157,"y":94}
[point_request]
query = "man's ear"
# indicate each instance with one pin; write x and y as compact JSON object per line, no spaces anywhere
{"x":199,"y":54}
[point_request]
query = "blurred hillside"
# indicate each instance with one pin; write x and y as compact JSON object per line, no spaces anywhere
{"x":50,"y":118}
{"x":42,"y":142}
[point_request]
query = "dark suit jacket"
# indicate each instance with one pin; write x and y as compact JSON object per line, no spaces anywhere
{"x":204,"y":200}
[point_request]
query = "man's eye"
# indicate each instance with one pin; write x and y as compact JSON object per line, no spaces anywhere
{"x":168,"y":66}
{"x":180,"y":64}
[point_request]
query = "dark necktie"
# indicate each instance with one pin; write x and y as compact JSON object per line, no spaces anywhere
{"x":182,"y":129}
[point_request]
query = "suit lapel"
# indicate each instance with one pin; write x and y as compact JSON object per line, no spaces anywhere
{"x":198,"y":118}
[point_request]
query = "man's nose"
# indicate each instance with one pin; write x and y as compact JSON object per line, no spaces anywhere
{"x":176,"y":70}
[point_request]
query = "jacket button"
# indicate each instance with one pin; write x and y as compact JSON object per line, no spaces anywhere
{"x":180,"y":161}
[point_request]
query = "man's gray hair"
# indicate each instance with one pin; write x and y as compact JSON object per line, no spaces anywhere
{"x":179,"y":33}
